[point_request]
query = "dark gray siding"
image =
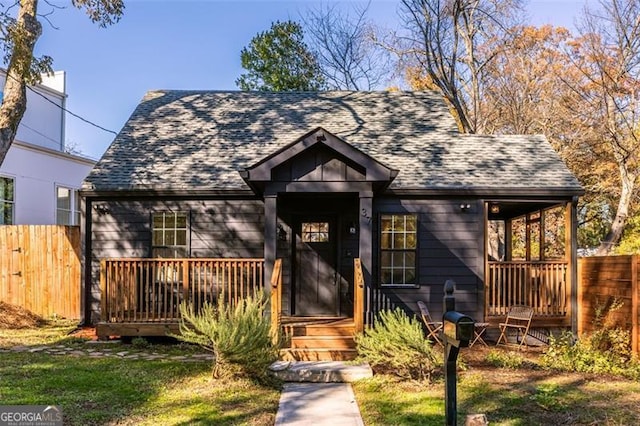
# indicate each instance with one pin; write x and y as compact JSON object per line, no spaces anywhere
{"x":450,"y":246}
{"x":218,"y":228}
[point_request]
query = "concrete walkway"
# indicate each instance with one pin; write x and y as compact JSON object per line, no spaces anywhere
{"x":318,"y":404}
{"x":316,"y":393}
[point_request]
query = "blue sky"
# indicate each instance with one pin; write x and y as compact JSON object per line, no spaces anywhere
{"x":178,"y":44}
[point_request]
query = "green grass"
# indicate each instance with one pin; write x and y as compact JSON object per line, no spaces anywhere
{"x":123,"y":391}
{"x":132,"y":392}
{"x":508,"y":396}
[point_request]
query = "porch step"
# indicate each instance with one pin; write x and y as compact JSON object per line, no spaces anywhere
{"x":343,"y":330}
{"x":319,"y":339}
{"x":322,"y":342}
{"x":318,"y":354}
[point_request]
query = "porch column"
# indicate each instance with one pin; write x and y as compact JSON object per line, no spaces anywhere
{"x":571,"y":252}
{"x":366,"y":247}
{"x":270,"y":240}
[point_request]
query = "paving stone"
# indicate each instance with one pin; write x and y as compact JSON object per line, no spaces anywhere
{"x":123,"y":353}
{"x":96,"y":354}
{"x":19,"y":348}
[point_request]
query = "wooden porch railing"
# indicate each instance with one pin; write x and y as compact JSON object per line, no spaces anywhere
{"x":276,"y":297}
{"x":151,"y":290}
{"x":358,"y":296}
{"x":541,"y":285}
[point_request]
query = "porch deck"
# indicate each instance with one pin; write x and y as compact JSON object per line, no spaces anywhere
{"x":141,"y":297}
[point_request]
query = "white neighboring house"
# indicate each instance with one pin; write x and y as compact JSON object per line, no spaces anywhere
{"x":39,"y":181}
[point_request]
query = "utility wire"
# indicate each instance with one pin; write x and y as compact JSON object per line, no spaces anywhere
{"x":63,"y":108}
{"x":58,"y":144}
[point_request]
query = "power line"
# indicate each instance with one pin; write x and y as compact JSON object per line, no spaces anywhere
{"x":63,"y":108}
{"x":58,"y":144}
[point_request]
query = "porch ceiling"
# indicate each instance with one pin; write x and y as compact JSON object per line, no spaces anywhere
{"x":511,"y":209}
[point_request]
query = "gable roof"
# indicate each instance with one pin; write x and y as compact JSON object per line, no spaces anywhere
{"x":202,"y":140}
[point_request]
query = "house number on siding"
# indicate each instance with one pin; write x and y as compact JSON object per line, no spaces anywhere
{"x":366,"y":215}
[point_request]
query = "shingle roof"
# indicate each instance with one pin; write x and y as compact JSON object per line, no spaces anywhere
{"x":200,"y":140}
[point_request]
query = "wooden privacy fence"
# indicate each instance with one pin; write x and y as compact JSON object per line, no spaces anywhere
{"x":601,"y":280}
{"x":151,"y":290}
{"x":40,"y":268}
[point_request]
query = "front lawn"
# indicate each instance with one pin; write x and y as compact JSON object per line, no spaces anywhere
{"x":508,"y":396}
{"x":113,"y":390}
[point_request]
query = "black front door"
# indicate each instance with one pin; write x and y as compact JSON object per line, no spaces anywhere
{"x":317,"y":290}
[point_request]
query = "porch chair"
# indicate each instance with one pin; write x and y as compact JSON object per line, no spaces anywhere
{"x":433,"y":327}
{"x":519,"y":319}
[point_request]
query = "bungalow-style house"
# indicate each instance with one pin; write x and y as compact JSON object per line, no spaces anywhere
{"x":337,"y":204}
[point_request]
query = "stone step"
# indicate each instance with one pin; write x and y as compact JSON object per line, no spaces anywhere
{"x":320,"y":372}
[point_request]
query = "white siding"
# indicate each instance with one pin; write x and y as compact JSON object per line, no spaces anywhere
{"x":36,"y":173}
{"x":43,"y":121}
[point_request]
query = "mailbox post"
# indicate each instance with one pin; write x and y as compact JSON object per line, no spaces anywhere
{"x":457,"y":332}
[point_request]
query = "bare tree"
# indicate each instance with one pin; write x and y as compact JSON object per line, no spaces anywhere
{"x":607,"y":55}
{"x":344,"y":46}
{"x":449,"y":42}
{"x":18,"y":36}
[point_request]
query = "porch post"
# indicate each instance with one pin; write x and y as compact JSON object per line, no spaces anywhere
{"x":571,"y":251}
{"x":366,"y":249}
{"x":270,"y":240}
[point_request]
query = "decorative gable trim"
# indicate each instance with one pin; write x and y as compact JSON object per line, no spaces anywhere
{"x":261,"y":172}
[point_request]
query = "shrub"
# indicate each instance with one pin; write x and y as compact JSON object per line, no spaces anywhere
{"x":606,"y":350}
{"x":238,"y":335}
{"x":502,"y":359}
{"x":396,"y":345}
{"x":139,"y":343}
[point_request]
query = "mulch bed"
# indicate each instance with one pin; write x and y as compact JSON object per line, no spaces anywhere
{"x":15,"y":317}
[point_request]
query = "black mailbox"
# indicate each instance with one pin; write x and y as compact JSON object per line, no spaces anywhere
{"x":458,"y":327}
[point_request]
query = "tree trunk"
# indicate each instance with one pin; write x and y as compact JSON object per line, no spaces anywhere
{"x":26,"y":32}
{"x":628,"y":181}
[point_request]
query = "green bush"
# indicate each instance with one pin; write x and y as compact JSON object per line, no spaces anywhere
{"x":397,"y":345}
{"x":606,"y":350}
{"x":238,"y":335}
{"x":503,"y":359}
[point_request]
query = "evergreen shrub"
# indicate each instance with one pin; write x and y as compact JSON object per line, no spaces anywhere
{"x":397,"y":345}
{"x":238,"y":335}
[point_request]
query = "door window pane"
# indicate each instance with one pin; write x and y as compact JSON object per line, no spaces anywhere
{"x":315,"y":232}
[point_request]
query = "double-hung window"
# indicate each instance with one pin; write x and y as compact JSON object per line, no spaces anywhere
{"x":7,"y":200}
{"x":169,"y":235}
{"x":398,"y":249}
{"x":67,"y":206}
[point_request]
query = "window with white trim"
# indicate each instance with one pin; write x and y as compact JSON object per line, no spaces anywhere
{"x":7,"y":200}
{"x":398,"y":249}
{"x":169,"y":235}
{"x":67,"y":206}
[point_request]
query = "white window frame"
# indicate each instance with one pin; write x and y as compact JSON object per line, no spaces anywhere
{"x":389,"y":270}
{"x":165,"y":247}
{"x":74,"y":207}
{"x":12,"y":202}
